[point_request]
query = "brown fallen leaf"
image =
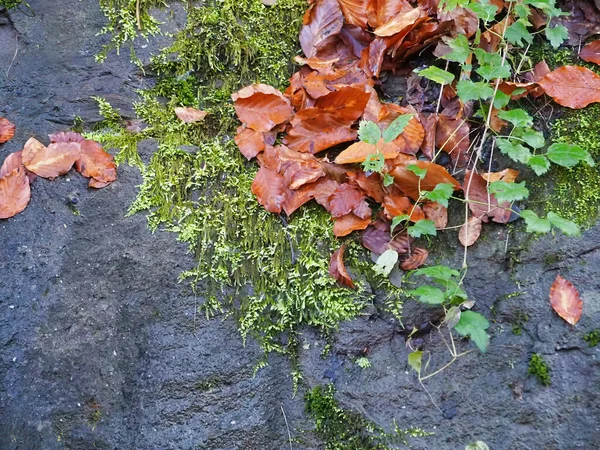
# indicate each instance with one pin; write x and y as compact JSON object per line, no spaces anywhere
{"x":508,"y":175}
{"x":437,"y":213}
{"x":337,"y":268}
{"x":15,"y":161}
{"x":7,"y":130}
{"x":262,"y":107}
{"x":52,"y":161}
{"x":591,"y":52}
{"x":66,"y":136}
{"x":572,"y":86}
{"x":355,"y":12}
{"x":359,"y":151}
{"x":95,"y":163}
{"x":399,"y":23}
{"x":565,"y":300}
{"x":323,"y":23}
{"x":415,"y":260}
{"x":344,"y":225}
{"x":470,"y":231}
{"x":344,"y":200}
{"x":409,"y":183}
{"x":190,"y":115}
{"x":14,"y":193}
{"x":376,"y":238}
{"x":250,"y":142}
{"x":269,"y":190}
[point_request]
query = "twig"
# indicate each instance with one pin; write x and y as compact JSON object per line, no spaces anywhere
{"x":16,"y":51}
{"x":287,"y":426}
{"x":137,"y":15}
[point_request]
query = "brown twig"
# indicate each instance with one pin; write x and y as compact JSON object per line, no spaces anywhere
{"x":137,"y":15}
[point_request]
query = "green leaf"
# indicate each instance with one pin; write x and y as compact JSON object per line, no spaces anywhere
{"x":373,"y":163}
{"x":386,"y":262}
{"x":516,"y":152}
{"x":522,"y":11}
{"x":533,"y":138}
{"x":417,"y":170}
{"x":422,"y":227}
{"x":484,"y":10}
{"x":469,"y":90}
{"x":568,"y":155}
{"x":501,"y":99}
{"x":428,"y":294}
{"x":490,"y":59}
{"x":415,"y":360}
{"x":441,"y":193}
{"x":460,"y":49}
{"x":477,"y":445}
{"x":436,"y":74}
{"x":443,"y":273}
{"x":473,"y":324}
{"x":396,"y":127}
{"x":508,"y":192}
{"x":397,"y":221}
{"x":518,"y":117}
{"x":566,"y":226}
{"x":557,"y":35}
{"x":491,"y":72}
{"x":388,"y":180}
{"x":534,"y":223}
{"x":517,"y":33}
{"x":539,"y":164}
{"x":369,"y":132}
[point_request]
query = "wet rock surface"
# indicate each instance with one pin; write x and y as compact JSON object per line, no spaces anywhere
{"x":101,"y":349}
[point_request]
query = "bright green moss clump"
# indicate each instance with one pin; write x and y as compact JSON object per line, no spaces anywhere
{"x":539,"y":368}
{"x":8,"y":4}
{"x":592,"y":338}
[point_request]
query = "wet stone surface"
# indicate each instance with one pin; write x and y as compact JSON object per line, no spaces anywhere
{"x":101,"y":349}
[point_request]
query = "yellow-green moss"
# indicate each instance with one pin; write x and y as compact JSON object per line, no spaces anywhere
{"x":539,"y":368}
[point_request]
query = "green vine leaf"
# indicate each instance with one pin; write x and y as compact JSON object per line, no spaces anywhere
{"x":539,"y":164}
{"x":534,"y":223}
{"x":508,"y":192}
{"x":460,"y":49}
{"x":568,"y":155}
{"x":436,"y":74}
{"x":438,"y":273}
{"x":566,"y":226}
{"x":473,"y":324}
{"x":418,"y":171}
{"x":469,"y":90}
{"x":516,"y":152}
{"x":534,"y":139}
{"x":491,"y":72}
{"x":415,"y":360}
{"x":373,"y":163}
{"x":517,"y":33}
{"x":557,"y":35}
{"x":441,"y":193}
{"x":422,"y":227}
{"x":428,"y":294}
{"x":518,"y":117}
{"x":397,"y":221}
{"x":396,"y":127}
{"x":388,"y":180}
{"x":369,"y":132}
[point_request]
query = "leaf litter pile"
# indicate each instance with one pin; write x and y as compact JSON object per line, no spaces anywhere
{"x":66,"y":150}
{"x":388,"y":170}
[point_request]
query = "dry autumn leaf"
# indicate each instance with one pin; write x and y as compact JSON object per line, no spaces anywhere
{"x":409,"y":183}
{"x":261,"y":107}
{"x":269,"y":190}
{"x":15,"y":161}
{"x":415,"y":260}
{"x":470,"y":231}
{"x":437,"y":213}
{"x":14,"y":193}
{"x":190,"y":115}
{"x":591,"y":52}
{"x":7,"y":130}
{"x":359,"y":151}
{"x":344,"y":225}
{"x":572,"y":86}
{"x":399,"y":23}
{"x":337,"y":268}
{"x":565,"y":300}
{"x":52,"y":161}
{"x":95,"y":163}
{"x":325,"y":20}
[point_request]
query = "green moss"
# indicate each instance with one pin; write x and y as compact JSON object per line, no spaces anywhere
{"x":592,"y":338}
{"x":8,"y":4}
{"x":539,"y":368}
{"x":346,"y":430}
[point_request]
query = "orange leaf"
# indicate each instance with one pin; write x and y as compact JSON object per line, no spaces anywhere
{"x":15,"y":161}
{"x":470,"y":231}
{"x":7,"y":130}
{"x":95,"y":163}
{"x":297,"y":168}
{"x":409,"y":183}
{"x":371,"y":184}
{"x":190,"y":115}
{"x":14,"y":193}
{"x":52,"y":161}
{"x":337,"y":268}
{"x":269,"y":190}
{"x":325,"y":20}
{"x":484,"y":205}
{"x":572,"y":86}
{"x":359,"y":151}
{"x":452,"y":135}
{"x":348,"y":223}
{"x":591,"y":52}
{"x":355,"y":12}
{"x":250,"y":142}
{"x":415,"y":260}
{"x":437,"y":213}
{"x":348,"y":103}
{"x":399,"y":23}
{"x":395,"y":204}
{"x":565,"y":300}
{"x":314,"y":131}
{"x":508,"y":175}
{"x":344,"y":200}
{"x":261,"y":107}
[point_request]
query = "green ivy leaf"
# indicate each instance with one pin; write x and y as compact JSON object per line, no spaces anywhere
{"x":533,"y":138}
{"x":460,"y":49}
{"x":388,"y":180}
{"x":539,"y":164}
{"x":534,"y":223}
{"x":491,"y":72}
{"x":415,"y":360}
{"x":508,"y":192}
{"x":473,"y":324}
{"x":428,"y":294}
{"x":386,"y":262}
{"x":441,"y":193}
{"x":420,"y":172}
{"x":517,"y":33}
{"x":568,"y":155}
{"x":516,"y":152}
{"x":373,"y":163}
{"x":566,"y":226}
{"x":397,"y":220}
{"x":369,"y":132}
{"x":469,"y":90}
{"x":518,"y":117}
{"x":443,"y":273}
{"x":422,"y":227}
{"x":557,"y":35}
{"x":436,"y":74}
{"x":396,"y":127}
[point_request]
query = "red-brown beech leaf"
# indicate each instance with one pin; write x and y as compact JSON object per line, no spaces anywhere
{"x":262,"y":107}
{"x":297,"y":168}
{"x":14,"y":193}
{"x":250,"y":142}
{"x":484,"y":205}
{"x":399,"y":22}
{"x":359,"y":151}
{"x":355,"y":12}
{"x":376,"y":238}
{"x":572,"y":86}
{"x":269,"y":190}
{"x":96,"y":163}
{"x":470,"y":231}
{"x":15,"y":161}
{"x":344,"y":200}
{"x":408,"y":182}
{"x":52,"y":161}
{"x":415,"y":260}
{"x":66,"y":136}
{"x":565,"y":300}
{"x":347,"y":103}
{"x":591,"y":52}
{"x":7,"y":130}
{"x":314,"y":131}
{"x":325,"y":20}
{"x":372,"y":184}
{"x":437,"y":213}
{"x":337,"y":268}
{"x":344,"y":225}
{"x":396,"y":204}
{"x":452,"y":136}
{"x":190,"y":115}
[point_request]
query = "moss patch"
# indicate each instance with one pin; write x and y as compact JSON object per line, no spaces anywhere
{"x":592,"y":338}
{"x":539,"y":368}
{"x":8,"y":4}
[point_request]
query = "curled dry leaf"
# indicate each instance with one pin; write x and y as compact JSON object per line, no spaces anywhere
{"x":348,"y":223}
{"x":415,"y":260}
{"x":376,"y":238}
{"x":508,"y":175}
{"x":14,"y":193}
{"x":452,"y":135}
{"x":437,"y":213}
{"x":591,"y":52}
{"x":95,"y":163}
{"x":262,"y":107}
{"x":190,"y":115}
{"x":15,"y":161}
{"x":572,"y":86}
{"x":399,"y":22}
{"x":322,"y":24}
{"x":470,"y":231}
{"x":344,"y":200}
{"x":66,"y":136}
{"x":52,"y":161}
{"x":484,"y":205}
{"x":7,"y":130}
{"x":250,"y":142}
{"x":409,"y":183}
{"x":395,"y":204}
{"x":355,"y":12}
{"x":359,"y":151}
{"x":565,"y":300}
{"x":337,"y":268}
{"x":269,"y":190}
{"x":314,"y":131}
